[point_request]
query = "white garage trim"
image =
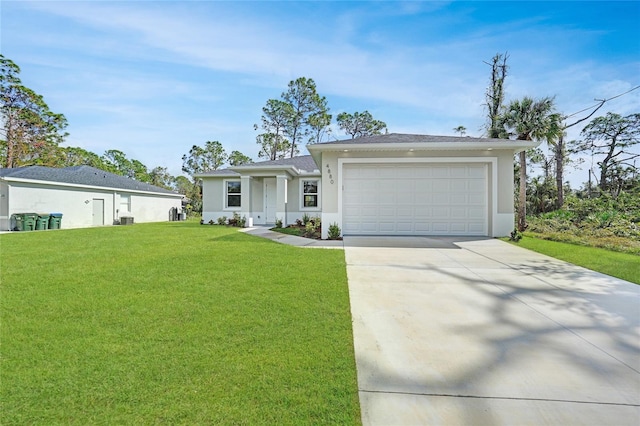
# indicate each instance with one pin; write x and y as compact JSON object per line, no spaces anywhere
{"x":490,"y":211}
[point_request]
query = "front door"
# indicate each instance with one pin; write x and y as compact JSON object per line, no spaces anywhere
{"x":98,"y":212}
{"x":270,"y":200}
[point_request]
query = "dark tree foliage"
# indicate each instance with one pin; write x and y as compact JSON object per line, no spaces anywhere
{"x":360,"y":124}
{"x":31,"y":133}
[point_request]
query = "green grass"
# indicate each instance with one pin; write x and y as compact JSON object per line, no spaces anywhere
{"x":173,"y":323}
{"x":621,"y":265}
{"x":290,"y":231}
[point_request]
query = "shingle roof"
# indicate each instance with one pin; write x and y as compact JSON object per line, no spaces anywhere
{"x":81,"y":175}
{"x":302,"y":162}
{"x":220,"y":172}
{"x":410,"y":138}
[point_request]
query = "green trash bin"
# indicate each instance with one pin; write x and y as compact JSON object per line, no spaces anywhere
{"x":42,"y":221}
{"x":17,"y":222}
{"x":29,"y":223}
{"x":55,"y":221}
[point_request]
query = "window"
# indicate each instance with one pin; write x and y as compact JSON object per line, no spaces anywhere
{"x":125,"y":204}
{"x":233,"y":193}
{"x":310,"y":193}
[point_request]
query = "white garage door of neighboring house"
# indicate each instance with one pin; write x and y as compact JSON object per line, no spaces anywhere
{"x":415,"y":199}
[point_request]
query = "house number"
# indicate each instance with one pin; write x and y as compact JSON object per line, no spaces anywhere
{"x":330,"y":175}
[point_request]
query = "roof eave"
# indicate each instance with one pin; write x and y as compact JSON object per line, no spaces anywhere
{"x":248,"y":169}
{"x":507,"y":144}
{"x":206,"y":175}
{"x":86,"y":186}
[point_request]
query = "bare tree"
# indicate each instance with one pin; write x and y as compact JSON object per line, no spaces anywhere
{"x":495,"y":94}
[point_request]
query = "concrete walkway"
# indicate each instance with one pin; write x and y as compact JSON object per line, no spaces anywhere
{"x":479,"y":332}
{"x":292,"y":240}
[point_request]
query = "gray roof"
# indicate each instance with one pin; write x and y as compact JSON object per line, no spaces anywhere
{"x":220,"y":172}
{"x":409,"y":138}
{"x":81,"y":175}
{"x":302,"y":162}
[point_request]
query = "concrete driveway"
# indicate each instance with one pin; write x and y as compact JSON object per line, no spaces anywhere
{"x":479,"y":332}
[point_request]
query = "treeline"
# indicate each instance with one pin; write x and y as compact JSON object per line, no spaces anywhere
{"x":32,"y":135}
{"x":301,"y":116}
{"x":608,"y":140}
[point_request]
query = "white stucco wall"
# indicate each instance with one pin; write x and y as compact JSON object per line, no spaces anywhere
{"x":500,"y":191}
{"x":213,"y":201}
{"x":76,"y":203}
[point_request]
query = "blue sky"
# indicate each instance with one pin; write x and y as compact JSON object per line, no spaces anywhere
{"x":153,"y":78}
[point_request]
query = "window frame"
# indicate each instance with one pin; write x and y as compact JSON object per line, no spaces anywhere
{"x":232,"y":194}
{"x":318,"y":205}
{"x":128,"y":204}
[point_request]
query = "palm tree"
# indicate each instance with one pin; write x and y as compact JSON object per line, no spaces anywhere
{"x":530,"y":120}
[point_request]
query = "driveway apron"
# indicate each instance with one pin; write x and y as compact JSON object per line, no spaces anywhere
{"x":457,"y":331}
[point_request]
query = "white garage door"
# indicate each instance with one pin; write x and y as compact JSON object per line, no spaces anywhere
{"x":415,"y":199}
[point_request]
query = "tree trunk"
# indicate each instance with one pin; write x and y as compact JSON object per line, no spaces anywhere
{"x":604,"y":166}
{"x":522,"y":196}
{"x":559,"y":157}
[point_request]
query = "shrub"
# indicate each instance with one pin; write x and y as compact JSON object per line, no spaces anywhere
{"x":515,"y":235}
{"x":233,"y":221}
{"x":305,"y":219}
{"x":278,"y":223}
{"x":222,"y":220}
{"x":334,"y":231}
{"x":312,"y":229}
{"x":211,"y":222}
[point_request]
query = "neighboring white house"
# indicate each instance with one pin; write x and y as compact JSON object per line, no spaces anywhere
{"x":85,"y":196}
{"x":394,"y":184}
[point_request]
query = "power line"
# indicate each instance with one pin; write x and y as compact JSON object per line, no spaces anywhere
{"x":602,"y":101}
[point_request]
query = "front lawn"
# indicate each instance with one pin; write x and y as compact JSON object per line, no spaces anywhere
{"x":616,"y":264}
{"x":173,"y":323}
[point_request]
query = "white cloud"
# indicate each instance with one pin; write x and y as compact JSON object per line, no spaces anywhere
{"x":155,"y":78}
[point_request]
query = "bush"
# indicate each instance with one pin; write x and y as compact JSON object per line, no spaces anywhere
{"x":604,"y":221}
{"x":238,"y":221}
{"x":334,"y":231}
{"x":222,"y":220}
{"x":305,"y":219}
{"x":312,"y":227}
{"x":515,"y":235}
{"x":278,"y":223}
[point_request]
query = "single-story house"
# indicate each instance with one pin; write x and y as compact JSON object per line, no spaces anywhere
{"x":85,"y":196}
{"x":394,"y":184}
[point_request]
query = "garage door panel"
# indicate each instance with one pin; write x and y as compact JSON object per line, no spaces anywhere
{"x":476,"y":198}
{"x":476,"y":171}
{"x":440,"y":198}
{"x":409,"y":199}
{"x":404,"y":212}
{"x":369,"y":227}
{"x":459,"y":185}
{"x":458,"y":213}
{"x":404,"y":226}
{"x":387,"y":212}
{"x":458,"y":228}
{"x":476,"y":228}
{"x":440,"y":172}
{"x":475,"y":213}
{"x":456,"y":199}
{"x":477,"y":186}
{"x":440,"y":212}
{"x":458,"y":172}
{"x":422,"y":227}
